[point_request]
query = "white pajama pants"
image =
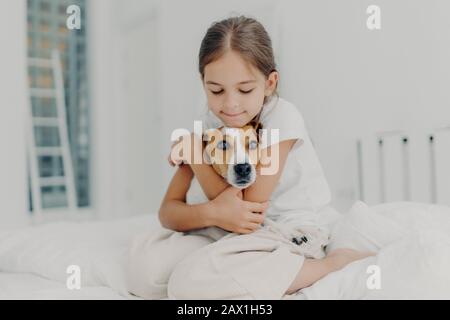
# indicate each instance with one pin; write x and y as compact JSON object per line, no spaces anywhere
{"x":165,"y":263}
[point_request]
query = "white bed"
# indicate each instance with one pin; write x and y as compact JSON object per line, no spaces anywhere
{"x":412,"y":241}
{"x":19,"y":286}
{"x":34,"y":260}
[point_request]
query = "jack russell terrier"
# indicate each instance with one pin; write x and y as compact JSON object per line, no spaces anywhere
{"x":234,"y":154}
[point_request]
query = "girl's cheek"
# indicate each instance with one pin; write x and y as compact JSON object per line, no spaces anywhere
{"x":214,"y":105}
{"x":254,"y":100}
{"x":212,"y":98}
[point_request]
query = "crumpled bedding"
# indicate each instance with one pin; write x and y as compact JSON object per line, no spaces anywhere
{"x":412,"y":261}
{"x":99,"y":248}
{"x":411,"y":241}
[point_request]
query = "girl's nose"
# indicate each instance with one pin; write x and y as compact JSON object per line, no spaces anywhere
{"x":230,"y":103}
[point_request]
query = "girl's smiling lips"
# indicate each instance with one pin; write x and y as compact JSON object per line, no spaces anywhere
{"x":232,"y":115}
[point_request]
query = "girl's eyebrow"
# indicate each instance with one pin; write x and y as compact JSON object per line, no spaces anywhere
{"x":242,"y":82}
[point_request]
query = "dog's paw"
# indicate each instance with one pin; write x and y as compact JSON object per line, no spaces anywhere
{"x":311,"y":241}
{"x":299,"y":240}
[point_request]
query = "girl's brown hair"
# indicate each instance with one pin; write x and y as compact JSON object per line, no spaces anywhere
{"x":240,"y":34}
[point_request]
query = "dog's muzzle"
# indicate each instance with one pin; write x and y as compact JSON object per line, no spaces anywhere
{"x":242,"y":175}
{"x":242,"y":170}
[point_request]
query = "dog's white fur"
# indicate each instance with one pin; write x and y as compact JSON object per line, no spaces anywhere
{"x":239,"y":157}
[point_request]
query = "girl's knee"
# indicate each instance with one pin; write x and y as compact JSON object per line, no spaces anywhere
{"x":147,"y":276}
{"x":179,"y":286}
{"x":147,"y":269}
{"x":183,"y":284}
{"x":152,"y":260}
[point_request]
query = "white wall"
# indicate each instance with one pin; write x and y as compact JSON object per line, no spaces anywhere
{"x":13,"y":103}
{"x":349,"y":81}
{"x":126,"y":126}
{"x":346,"y":80}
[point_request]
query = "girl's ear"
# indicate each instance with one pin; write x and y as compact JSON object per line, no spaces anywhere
{"x":271,"y":83}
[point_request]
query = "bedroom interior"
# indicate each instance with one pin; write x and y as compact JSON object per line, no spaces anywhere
{"x":85,"y":139}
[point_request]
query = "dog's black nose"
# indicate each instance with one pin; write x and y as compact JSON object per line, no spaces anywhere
{"x":242,"y":169}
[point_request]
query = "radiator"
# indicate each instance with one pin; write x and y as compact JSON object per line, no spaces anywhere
{"x":404,"y":166}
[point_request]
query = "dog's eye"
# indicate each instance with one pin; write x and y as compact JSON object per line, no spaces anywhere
{"x":252,"y":145}
{"x":222,"y":145}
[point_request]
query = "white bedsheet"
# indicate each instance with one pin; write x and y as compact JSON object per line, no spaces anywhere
{"x":412,"y":242}
{"x":34,"y":260}
{"x":26,"y":286}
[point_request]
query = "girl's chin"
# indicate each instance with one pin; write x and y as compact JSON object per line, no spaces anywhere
{"x":235,"y":124}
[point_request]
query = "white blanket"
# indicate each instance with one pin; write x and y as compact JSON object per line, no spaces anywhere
{"x":412,"y":241}
{"x":26,"y":286}
{"x":99,"y":249}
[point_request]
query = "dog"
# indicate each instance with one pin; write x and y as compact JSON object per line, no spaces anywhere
{"x":234,"y":154}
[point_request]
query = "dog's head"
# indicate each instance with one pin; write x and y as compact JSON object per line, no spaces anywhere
{"x":234,"y":153}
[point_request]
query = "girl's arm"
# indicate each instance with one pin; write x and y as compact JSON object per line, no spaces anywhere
{"x":175,"y":213}
{"x":227,"y":210}
{"x":211,"y":182}
{"x":262,"y":189}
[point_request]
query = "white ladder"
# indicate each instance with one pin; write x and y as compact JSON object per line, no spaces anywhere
{"x":63,"y":150}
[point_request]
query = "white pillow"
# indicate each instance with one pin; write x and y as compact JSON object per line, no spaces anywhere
{"x":99,"y":248}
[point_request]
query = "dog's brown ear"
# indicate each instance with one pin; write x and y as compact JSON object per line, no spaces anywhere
{"x":209,"y":134}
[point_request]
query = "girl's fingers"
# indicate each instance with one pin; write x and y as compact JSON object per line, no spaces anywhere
{"x":174,"y":162}
{"x":245,"y":231}
{"x":176,"y":142}
{"x":256,"y":218}
{"x":233,"y":190}
{"x":257,"y":207}
{"x":253,"y":226}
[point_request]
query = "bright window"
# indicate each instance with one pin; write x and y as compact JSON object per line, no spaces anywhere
{"x":47,"y":31}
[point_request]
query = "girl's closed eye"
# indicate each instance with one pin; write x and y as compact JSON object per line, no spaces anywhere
{"x":241,"y":91}
{"x":217,"y":92}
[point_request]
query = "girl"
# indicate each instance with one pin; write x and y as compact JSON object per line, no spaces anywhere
{"x":238,"y":72}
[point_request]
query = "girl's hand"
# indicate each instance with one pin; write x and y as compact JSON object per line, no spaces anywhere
{"x":179,"y":156}
{"x":173,"y":161}
{"x":233,"y":214}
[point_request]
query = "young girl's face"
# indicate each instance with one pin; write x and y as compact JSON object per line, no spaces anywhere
{"x":235,"y":90}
